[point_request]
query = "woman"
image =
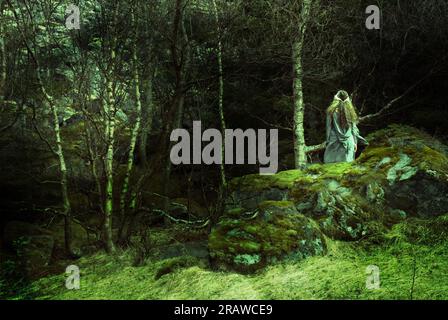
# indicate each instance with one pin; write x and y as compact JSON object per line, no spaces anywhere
{"x":342,"y":132}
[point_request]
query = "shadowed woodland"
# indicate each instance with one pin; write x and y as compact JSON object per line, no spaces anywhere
{"x":86,"y":177}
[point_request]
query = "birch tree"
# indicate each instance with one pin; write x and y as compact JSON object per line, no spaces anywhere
{"x":299,"y":106}
{"x":220,"y":93}
{"x":110,"y":111}
{"x":136,"y":129}
{"x":56,"y":147}
{"x":2,"y":53}
{"x":147,"y":114}
{"x":180,"y":57}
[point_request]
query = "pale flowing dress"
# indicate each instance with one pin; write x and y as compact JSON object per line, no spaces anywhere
{"x":341,"y":141}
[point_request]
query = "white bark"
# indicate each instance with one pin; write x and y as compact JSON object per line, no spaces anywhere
{"x":110,"y":114}
{"x":2,"y":54}
{"x":221,"y":94}
{"x":299,"y":107}
{"x":135,"y":130}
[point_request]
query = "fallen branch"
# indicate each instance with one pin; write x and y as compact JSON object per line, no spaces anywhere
{"x":251,"y":215}
{"x":57,"y":212}
{"x":203,"y":223}
{"x":315,"y":148}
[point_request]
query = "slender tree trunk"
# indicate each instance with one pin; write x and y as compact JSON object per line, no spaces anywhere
{"x":180,"y":102}
{"x":223,"y":185}
{"x":66,"y":207}
{"x":93,"y":166}
{"x":91,"y":147}
{"x":221,"y":94}
{"x":299,"y":107}
{"x":2,"y":53}
{"x":147,"y":114}
{"x":59,"y":152}
{"x":129,"y":222}
{"x":181,"y":62}
{"x":146,"y":129}
{"x":109,"y":106}
{"x":135,"y":130}
{"x":110,"y":114}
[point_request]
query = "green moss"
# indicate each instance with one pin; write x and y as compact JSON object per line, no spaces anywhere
{"x":423,"y":148}
{"x":171,"y":265}
{"x":421,"y":231}
{"x":281,"y":180}
{"x":334,"y":170}
{"x":426,"y":158}
{"x":269,"y":236}
{"x":235,"y":212}
{"x":372,"y":157}
{"x":277,"y":204}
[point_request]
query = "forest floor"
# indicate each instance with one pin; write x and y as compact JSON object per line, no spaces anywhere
{"x":407,"y":271}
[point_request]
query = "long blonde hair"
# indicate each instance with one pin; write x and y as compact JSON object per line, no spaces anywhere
{"x":344,"y":106}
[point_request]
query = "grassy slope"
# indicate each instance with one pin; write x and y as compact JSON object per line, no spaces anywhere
{"x":339,"y":275}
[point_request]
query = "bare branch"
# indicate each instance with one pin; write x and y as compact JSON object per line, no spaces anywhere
{"x":269,"y":123}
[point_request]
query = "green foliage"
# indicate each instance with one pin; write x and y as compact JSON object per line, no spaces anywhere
{"x":247,"y":259}
{"x":13,"y":282}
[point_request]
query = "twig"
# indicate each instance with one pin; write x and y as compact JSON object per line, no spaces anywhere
{"x":203,"y":223}
{"x":414,"y":272}
{"x":270,"y":124}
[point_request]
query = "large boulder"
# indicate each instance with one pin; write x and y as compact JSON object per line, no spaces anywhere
{"x":402,"y":173}
{"x":246,"y":241}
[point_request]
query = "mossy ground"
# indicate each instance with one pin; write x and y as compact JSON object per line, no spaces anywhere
{"x":341,"y":274}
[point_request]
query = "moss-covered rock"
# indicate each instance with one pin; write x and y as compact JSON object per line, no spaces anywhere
{"x":274,"y":231}
{"x":402,"y":173}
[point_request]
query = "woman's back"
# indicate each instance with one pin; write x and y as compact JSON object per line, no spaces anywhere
{"x":342,"y":132}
